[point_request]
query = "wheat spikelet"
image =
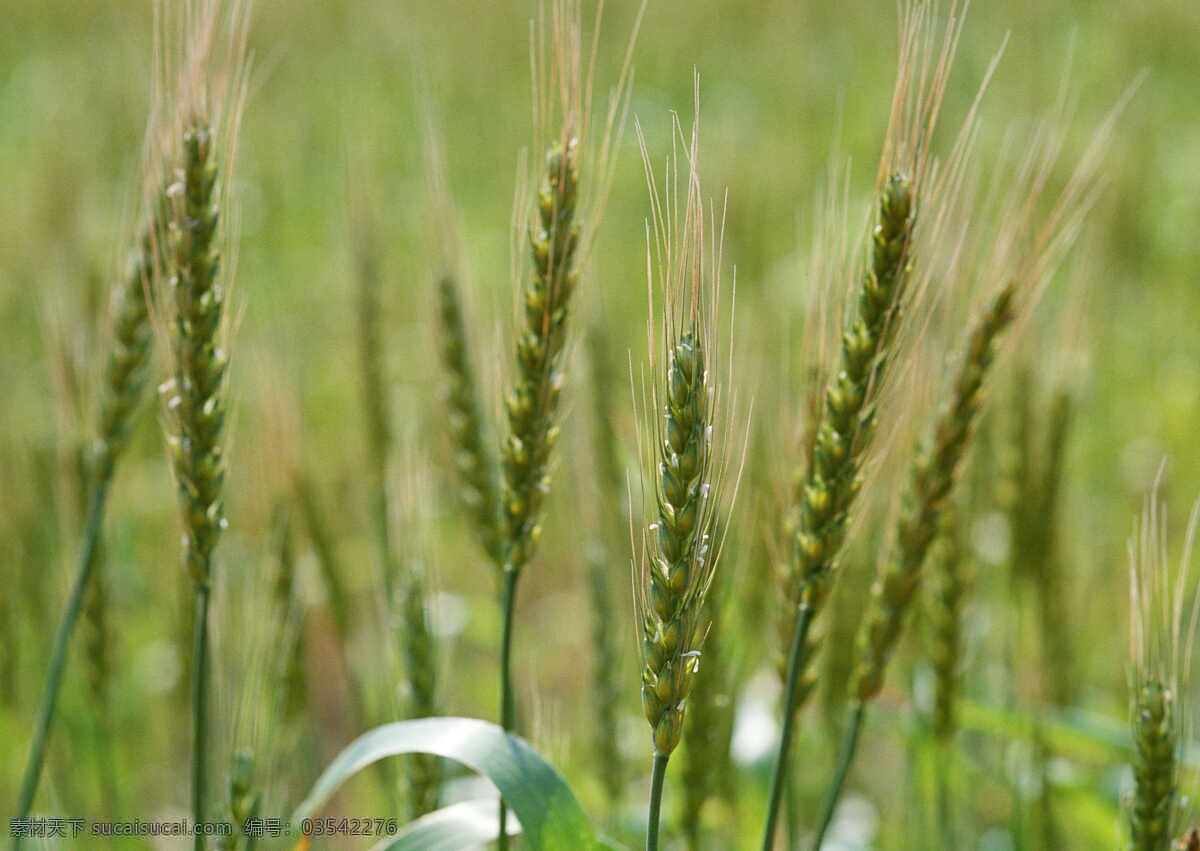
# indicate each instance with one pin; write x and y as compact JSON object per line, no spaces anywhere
{"x":244,"y":803}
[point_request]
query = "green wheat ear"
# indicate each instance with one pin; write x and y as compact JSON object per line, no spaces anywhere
{"x":124,"y":381}
{"x":195,"y":402}
{"x":532,"y":404}
{"x":245,"y":803}
{"x":195,"y":396}
{"x":1161,"y":645}
{"x":674,"y":622}
{"x":419,"y":649}
{"x":825,"y":494}
{"x":468,"y":429}
{"x":931,"y":480}
{"x":1155,"y":741}
{"x":945,"y":620}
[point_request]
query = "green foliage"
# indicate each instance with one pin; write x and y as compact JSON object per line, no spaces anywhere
{"x":551,"y":818}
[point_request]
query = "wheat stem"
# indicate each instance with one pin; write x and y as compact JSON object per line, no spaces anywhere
{"x":795,"y":670}
{"x":124,"y":381}
{"x":339,"y":603}
{"x":532,"y":404}
{"x":657,"y":774}
{"x":62,"y":640}
{"x":846,"y":754}
{"x":200,"y":681}
{"x":507,"y":704}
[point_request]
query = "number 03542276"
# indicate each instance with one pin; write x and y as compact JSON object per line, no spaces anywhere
{"x":335,"y":826}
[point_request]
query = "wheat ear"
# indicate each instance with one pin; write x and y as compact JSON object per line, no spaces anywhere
{"x":931,"y":481}
{"x":1162,"y":634}
{"x":945,"y":619}
{"x":195,"y":400}
{"x":839,"y":444}
{"x":605,"y":665}
{"x":680,"y":418}
{"x":122,"y":390}
{"x":244,"y":804}
{"x":374,"y":389}
{"x":420,"y":657}
{"x":468,"y":430}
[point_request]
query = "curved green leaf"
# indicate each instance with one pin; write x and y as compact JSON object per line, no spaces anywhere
{"x":469,"y":824}
{"x":550,"y":817}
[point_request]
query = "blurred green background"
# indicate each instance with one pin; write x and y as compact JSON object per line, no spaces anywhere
{"x":333,"y":115}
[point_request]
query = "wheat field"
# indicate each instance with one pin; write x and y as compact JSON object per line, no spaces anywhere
{"x":680,"y":425}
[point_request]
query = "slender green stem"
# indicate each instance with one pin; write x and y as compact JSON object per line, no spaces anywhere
{"x":62,"y":638}
{"x":330,"y":568}
{"x":383,"y":542}
{"x":791,"y":821}
{"x":945,"y":804}
{"x":507,"y":705}
{"x":200,"y":711}
{"x":658,"y":773}
{"x":845,"y":760}
{"x":106,"y":766}
{"x":796,"y":665}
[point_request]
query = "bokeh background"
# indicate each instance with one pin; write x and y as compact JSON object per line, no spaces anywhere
{"x":333,"y":121}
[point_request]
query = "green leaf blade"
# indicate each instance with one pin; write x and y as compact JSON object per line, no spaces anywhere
{"x":551,"y":817}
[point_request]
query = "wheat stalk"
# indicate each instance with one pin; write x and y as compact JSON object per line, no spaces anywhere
{"x":931,"y":480}
{"x":839,"y":444}
{"x":209,"y":92}
{"x":685,"y":424}
{"x":122,"y":390}
{"x":566,"y":216}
